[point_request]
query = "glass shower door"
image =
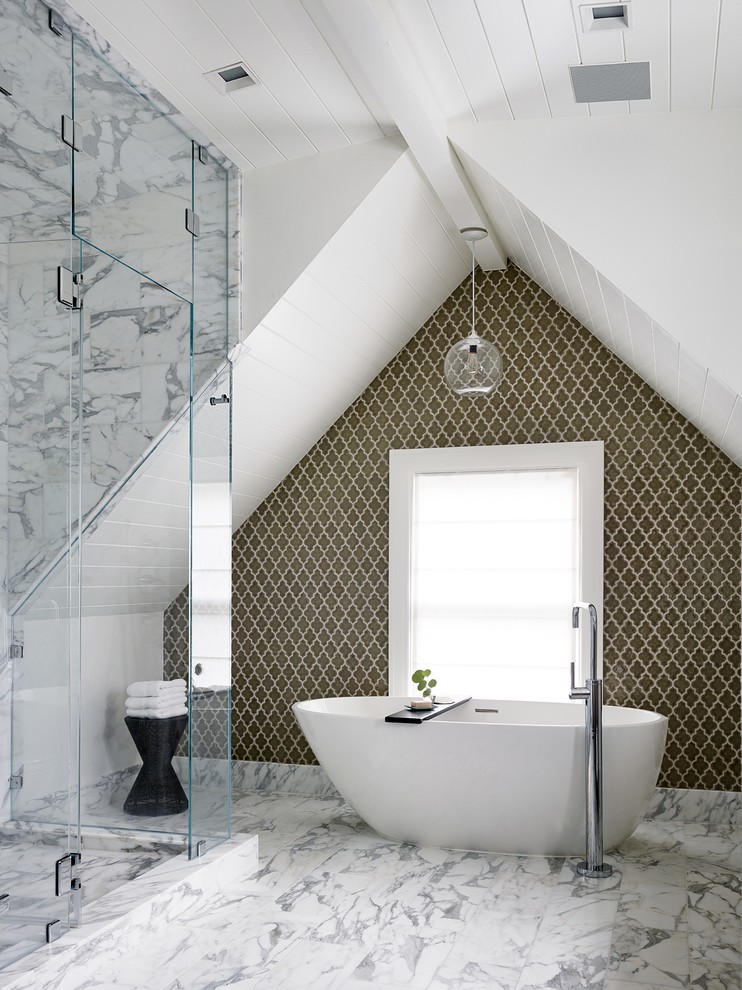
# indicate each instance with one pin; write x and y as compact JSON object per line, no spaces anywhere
{"x":210,"y":603}
{"x":39,"y":355}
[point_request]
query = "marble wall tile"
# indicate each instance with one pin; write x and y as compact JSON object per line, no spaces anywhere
{"x":685,"y":805}
{"x":287,"y":778}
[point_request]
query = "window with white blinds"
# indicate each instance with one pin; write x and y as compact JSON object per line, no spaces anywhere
{"x":489,"y":550}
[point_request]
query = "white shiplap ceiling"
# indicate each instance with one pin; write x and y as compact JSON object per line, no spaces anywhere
{"x":339,"y":72}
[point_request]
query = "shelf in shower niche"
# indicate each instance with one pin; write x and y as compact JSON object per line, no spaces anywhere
{"x":419,"y":715}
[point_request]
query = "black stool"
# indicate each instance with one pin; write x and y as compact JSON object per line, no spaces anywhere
{"x":157,"y":790}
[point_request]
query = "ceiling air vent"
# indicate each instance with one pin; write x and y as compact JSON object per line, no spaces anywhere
{"x":611,"y":81}
{"x":606,"y":16}
{"x":231,"y":77}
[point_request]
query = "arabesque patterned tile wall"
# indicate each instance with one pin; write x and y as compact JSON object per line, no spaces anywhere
{"x":310,"y":565}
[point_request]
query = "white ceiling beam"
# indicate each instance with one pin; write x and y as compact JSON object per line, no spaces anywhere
{"x":381,"y":53}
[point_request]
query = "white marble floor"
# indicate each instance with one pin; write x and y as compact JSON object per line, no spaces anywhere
{"x":335,"y":906}
{"x":27,"y":860}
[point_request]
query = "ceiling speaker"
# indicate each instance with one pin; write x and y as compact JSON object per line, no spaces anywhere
{"x":611,"y":81}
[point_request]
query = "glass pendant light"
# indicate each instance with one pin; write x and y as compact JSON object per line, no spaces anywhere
{"x":473,"y":366}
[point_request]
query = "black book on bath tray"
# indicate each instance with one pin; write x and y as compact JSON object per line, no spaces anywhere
{"x":416,"y":716}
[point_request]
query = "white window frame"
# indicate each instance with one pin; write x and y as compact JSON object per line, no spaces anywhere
{"x":405,"y":465}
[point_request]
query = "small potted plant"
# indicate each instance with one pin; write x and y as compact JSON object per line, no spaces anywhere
{"x":425,"y":683}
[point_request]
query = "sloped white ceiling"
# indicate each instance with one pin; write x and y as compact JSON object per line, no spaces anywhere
{"x":639,"y":195}
{"x":367,"y":292}
{"x":291,"y":211}
{"x":653,"y":203}
{"x":655,"y":251}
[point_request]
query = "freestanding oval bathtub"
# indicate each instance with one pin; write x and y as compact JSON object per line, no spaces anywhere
{"x":510,"y":781}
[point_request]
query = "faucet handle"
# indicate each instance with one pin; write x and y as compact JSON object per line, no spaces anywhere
{"x":574,"y":691}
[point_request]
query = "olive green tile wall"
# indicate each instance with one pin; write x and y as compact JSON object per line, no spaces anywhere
{"x":310,"y":566}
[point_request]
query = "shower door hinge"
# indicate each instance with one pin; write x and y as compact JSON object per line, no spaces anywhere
{"x":56,"y":24}
{"x":54,"y":930}
{"x":16,"y":780}
{"x":16,"y":651}
{"x":4,"y":903}
{"x":192,"y":222}
{"x":69,"y":292}
{"x":72,"y":133}
{"x":6,"y":83}
{"x":64,"y":873}
{"x":203,"y":155}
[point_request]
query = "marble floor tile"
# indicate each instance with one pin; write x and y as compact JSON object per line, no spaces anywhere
{"x":707,"y":975}
{"x":402,"y":957}
{"x":568,"y":961}
{"x":649,"y":955}
{"x":334,"y":906}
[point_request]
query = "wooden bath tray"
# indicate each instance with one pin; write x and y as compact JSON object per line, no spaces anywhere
{"x":420,"y":715}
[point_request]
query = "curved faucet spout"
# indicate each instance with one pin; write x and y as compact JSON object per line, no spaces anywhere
{"x":593,"y":613}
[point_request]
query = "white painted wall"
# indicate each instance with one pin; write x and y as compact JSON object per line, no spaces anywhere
{"x":652,"y":201}
{"x":116,"y":651}
{"x":292,"y":210}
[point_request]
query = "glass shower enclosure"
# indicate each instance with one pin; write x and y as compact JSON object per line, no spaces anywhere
{"x":115,"y":461}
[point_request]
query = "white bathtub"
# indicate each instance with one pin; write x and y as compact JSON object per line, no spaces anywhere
{"x":511,"y":782}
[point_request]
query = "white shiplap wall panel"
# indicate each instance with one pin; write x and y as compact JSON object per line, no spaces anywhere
{"x":309,"y":296}
{"x":509,"y":38}
{"x":648,"y":41}
{"x":410,"y":301}
{"x":333,"y":342}
{"x":691,"y":386}
{"x":718,"y":403}
{"x":558,"y":287}
{"x":588,"y":277}
{"x":98,"y":554}
{"x":304,"y":350}
{"x":640,"y":327}
{"x":531,"y":246}
{"x":354,"y":290}
{"x":240,"y":22}
{"x":274,"y":408}
{"x":666,"y":360}
{"x":249,"y":435}
{"x":614,"y":318}
{"x":469,"y":50}
{"x":728,"y":75}
{"x":616,"y":310}
{"x":693,"y":42}
{"x":525,"y":245}
{"x":555,"y":42}
{"x":732,"y":439}
{"x":566,"y":264}
{"x":263,"y":462}
{"x":290,"y":23}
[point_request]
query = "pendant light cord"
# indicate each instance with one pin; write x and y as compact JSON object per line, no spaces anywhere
{"x":472,"y":334}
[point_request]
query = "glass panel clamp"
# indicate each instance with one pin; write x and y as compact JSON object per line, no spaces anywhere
{"x":56,"y":24}
{"x":16,"y":780}
{"x":53,"y":930}
{"x":69,"y":292}
{"x":72,"y":133}
{"x":192,"y":222}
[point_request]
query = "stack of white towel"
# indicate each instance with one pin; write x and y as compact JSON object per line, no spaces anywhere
{"x":156,"y":699}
